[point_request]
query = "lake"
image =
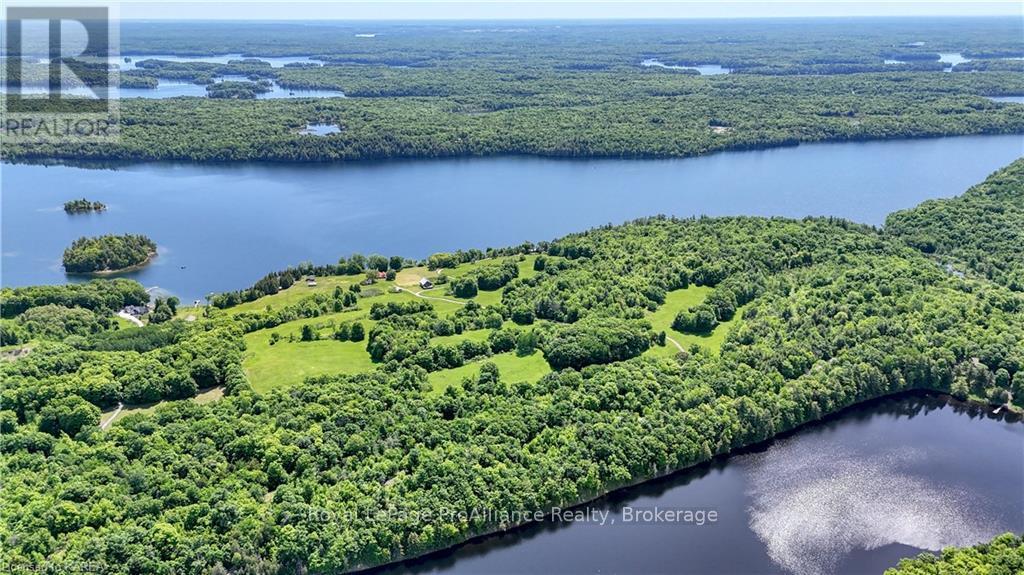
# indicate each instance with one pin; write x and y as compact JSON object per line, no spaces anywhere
{"x":703,"y":69}
{"x":175,"y":89}
{"x":221,"y":227}
{"x":952,"y":58}
{"x":851,"y":495}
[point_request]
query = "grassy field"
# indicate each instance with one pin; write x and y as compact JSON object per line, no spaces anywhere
{"x":512,"y":367}
{"x":677,"y":301}
{"x":290,"y":362}
{"x":212,"y":394}
{"x":475,"y":335}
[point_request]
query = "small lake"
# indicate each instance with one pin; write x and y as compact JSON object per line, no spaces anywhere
{"x":952,"y":58}
{"x":222,"y":227}
{"x":704,"y":69}
{"x":848,"y":496}
{"x":320,"y":129}
{"x":1011,"y":99}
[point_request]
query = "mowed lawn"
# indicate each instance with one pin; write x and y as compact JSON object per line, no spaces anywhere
{"x":677,"y":301}
{"x":287,"y":363}
{"x":513,"y":369}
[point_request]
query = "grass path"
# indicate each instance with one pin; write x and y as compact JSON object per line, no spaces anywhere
{"x":105,"y":424}
{"x":675,"y":343}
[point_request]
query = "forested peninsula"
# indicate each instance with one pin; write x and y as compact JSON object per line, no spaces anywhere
{"x":578,"y":384}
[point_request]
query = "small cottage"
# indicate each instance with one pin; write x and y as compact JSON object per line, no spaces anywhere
{"x":311,"y":281}
{"x":425,"y":283}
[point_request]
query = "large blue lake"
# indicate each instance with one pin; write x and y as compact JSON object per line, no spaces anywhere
{"x":222,"y":227}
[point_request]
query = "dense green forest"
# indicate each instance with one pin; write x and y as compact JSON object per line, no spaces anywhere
{"x":1004,"y":555}
{"x":824,"y":314}
{"x":108,"y":253}
{"x":981,"y":231}
{"x":645,"y":116}
{"x":580,"y":90}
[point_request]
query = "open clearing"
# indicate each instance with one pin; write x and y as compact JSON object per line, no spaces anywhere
{"x":289,"y":361}
{"x":111,"y":416}
{"x":513,"y":368}
{"x":677,"y":301}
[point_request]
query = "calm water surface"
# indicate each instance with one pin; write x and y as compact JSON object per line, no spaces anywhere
{"x":952,"y":58}
{"x":850,"y":496}
{"x":222,"y":227}
{"x":703,"y":69}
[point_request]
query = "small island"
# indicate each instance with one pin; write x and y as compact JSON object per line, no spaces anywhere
{"x":108,"y":254}
{"x":239,"y":90}
{"x":83,"y":206}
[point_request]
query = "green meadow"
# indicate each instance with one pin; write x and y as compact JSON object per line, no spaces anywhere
{"x":513,"y":368}
{"x":680,"y":300}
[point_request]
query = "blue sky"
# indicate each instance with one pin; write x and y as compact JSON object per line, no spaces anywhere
{"x":538,"y":9}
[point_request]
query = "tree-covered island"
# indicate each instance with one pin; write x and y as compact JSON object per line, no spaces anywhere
{"x":108,"y":254}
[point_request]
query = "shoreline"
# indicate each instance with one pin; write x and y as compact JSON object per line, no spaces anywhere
{"x":115,"y":162}
{"x":946,"y":399}
{"x":104,"y":273}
